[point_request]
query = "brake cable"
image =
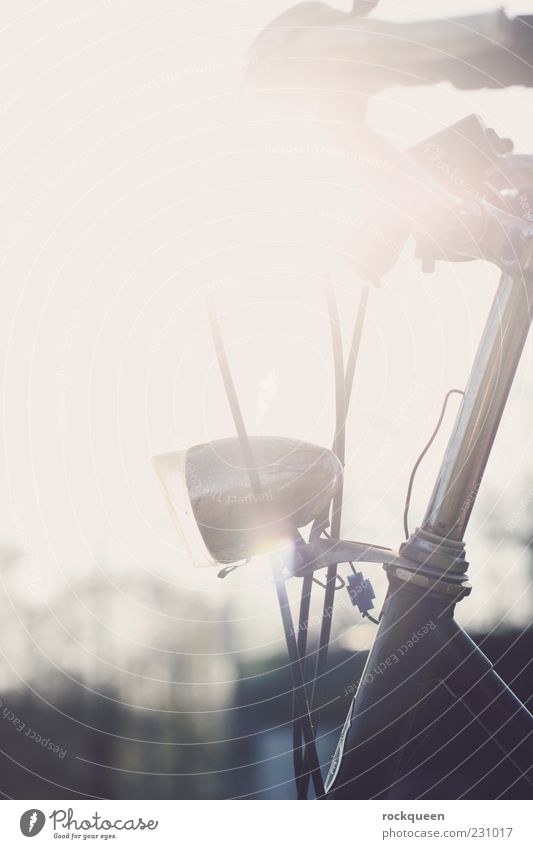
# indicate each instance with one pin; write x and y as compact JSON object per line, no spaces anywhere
{"x":339,"y":442}
{"x":299,"y":760}
{"x":421,"y":457}
{"x":302,"y":710}
{"x":343,"y":393}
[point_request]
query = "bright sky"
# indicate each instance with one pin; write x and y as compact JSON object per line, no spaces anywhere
{"x":132,"y":190}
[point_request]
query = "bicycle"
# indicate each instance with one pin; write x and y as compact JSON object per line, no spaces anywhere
{"x":244,"y":496}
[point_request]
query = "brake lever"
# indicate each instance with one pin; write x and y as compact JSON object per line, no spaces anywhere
{"x":488,"y":232}
{"x":464,"y":156}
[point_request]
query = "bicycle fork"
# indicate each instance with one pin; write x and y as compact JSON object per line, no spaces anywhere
{"x":419,"y":644}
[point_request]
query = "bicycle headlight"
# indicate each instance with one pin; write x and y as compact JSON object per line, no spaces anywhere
{"x":222,"y":519}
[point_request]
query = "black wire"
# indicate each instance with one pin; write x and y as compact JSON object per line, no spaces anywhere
{"x":338,"y":586}
{"x":233,"y":401}
{"x":298,"y":750}
{"x":301,"y":706}
{"x":343,"y":391}
{"x":367,"y":615}
{"x":421,"y":457}
{"x":303,"y":710}
{"x":339,"y":441}
{"x":336,"y":509}
{"x":356,"y":344}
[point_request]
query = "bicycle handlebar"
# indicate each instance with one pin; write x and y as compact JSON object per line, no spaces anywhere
{"x":487,"y":50}
{"x":450,"y":221}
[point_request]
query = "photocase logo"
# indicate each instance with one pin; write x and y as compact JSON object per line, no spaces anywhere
{"x":32,"y":822}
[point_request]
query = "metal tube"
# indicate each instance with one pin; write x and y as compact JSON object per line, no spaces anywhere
{"x":481,"y":410}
